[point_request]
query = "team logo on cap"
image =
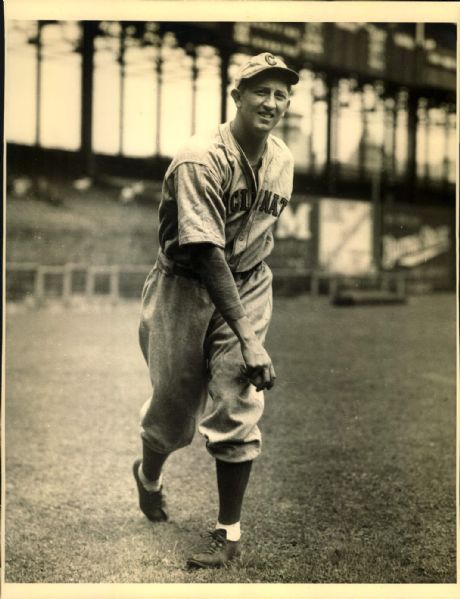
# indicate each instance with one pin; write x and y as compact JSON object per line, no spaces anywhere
{"x":270,"y":59}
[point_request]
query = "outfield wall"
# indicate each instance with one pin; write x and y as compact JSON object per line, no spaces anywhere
{"x":342,"y":237}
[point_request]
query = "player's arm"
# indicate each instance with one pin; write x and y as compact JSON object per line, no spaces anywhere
{"x":217,"y":277}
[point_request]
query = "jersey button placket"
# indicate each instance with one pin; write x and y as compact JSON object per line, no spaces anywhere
{"x":242,"y":239}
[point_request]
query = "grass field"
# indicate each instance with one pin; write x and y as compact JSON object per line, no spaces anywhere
{"x":356,"y":482}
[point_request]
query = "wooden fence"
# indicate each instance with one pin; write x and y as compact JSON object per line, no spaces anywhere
{"x":69,"y":282}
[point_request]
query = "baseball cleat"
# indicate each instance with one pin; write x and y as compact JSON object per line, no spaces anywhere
{"x":217,"y":552}
{"x":152,"y":503}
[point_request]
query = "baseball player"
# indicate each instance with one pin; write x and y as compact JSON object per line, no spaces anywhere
{"x":207,"y":302}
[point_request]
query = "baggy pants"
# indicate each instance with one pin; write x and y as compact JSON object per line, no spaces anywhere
{"x":193,"y":354}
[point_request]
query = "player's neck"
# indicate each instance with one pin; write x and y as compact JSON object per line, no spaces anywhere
{"x":253,"y":146}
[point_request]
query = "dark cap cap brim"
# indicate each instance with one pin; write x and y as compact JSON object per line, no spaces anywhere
{"x":288,"y":75}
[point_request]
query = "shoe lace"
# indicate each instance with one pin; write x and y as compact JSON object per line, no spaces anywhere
{"x":158,"y":498}
{"x":215,"y":542}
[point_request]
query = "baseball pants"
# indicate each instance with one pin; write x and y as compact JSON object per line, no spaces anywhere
{"x":193,"y":354}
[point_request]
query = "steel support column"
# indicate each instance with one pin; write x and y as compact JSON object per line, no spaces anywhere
{"x":87,"y":50}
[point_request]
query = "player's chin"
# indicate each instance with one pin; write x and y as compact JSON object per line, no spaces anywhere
{"x":264,"y":126}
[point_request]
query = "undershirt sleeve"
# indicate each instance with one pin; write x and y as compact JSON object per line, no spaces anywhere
{"x":218,"y":279}
{"x":200,"y":205}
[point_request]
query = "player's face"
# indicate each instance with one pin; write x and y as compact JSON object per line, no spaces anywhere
{"x":262,"y":103}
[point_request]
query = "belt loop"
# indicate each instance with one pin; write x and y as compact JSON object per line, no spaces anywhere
{"x":164,"y":262}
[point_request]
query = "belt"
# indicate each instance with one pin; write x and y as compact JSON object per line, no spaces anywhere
{"x":184,"y":271}
{"x":244,"y":274}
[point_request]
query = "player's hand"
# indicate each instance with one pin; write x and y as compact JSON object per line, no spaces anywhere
{"x":258,"y":368}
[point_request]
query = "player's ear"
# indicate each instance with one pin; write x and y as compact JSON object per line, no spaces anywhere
{"x":236,"y":95}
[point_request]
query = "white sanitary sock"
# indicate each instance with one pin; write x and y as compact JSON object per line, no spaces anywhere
{"x":150,"y":485}
{"x":233,"y":530}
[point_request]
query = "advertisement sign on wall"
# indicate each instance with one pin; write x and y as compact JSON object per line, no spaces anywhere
{"x":345,"y":236}
{"x":334,"y":235}
{"x":419,"y":241}
{"x":296,"y":235}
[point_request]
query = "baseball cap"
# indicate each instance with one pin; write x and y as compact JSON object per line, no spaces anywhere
{"x":265,"y":62}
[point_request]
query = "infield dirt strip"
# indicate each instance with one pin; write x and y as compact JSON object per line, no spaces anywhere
{"x":356,"y":482}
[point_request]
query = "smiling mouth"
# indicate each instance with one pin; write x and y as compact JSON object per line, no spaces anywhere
{"x":266,"y":116}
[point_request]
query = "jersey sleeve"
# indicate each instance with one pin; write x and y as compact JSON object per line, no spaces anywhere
{"x":200,"y":205}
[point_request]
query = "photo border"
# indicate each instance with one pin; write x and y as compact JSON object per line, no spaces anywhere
{"x":228,"y":10}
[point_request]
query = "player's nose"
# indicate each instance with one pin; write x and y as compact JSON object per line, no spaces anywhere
{"x":269,"y":101}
